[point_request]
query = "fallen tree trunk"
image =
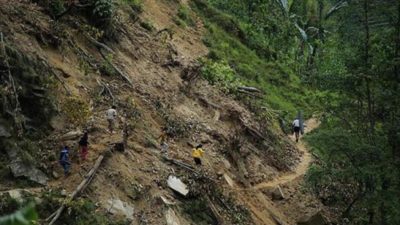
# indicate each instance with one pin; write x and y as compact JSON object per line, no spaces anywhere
{"x":106,"y":88}
{"x":181,"y":164}
{"x":117,"y":69}
{"x":252,"y":94}
{"x":250,"y":89}
{"x":80,"y":188}
{"x":99,"y":44}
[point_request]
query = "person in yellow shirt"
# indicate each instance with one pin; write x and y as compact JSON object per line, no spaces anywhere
{"x":197,"y":153}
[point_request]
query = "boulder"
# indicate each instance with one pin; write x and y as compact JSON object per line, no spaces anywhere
{"x":177,"y":185}
{"x":313,"y":219}
{"x":277,"y":194}
{"x":71,"y":135}
{"x":118,"y":207}
{"x":19,"y":168}
{"x":22,"y":169}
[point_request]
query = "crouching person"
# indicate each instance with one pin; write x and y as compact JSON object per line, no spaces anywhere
{"x":197,"y":153}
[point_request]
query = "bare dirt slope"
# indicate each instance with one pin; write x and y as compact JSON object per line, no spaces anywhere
{"x":156,"y":63}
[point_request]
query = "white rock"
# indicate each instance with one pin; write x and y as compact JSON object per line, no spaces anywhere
{"x":118,"y":207}
{"x":177,"y":185}
{"x":171,"y":217}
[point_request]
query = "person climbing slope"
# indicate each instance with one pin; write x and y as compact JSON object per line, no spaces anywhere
{"x":296,"y":128}
{"x":64,"y":160}
{"x":197,"y":153}
{"x":83,"y":145}
{"x":164,"y":141}
{"x":111,"y":117}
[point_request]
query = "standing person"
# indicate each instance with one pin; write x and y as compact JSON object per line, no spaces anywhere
{"x":296,"y":128}
{"x":164,"y":141}
{"x":64,"y":160}
{"x":111,"y":117}
{"x":83,"y":145}
{"x":197,"y":153}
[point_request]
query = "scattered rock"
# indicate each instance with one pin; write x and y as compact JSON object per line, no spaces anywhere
{"x":118,"y":207}
{"x":277,"y":194}
{"x":314,"y":219}
{"x":177,"y":185}
{"x":16,"y":194}
{"x":226,"y":164}
{"x":229,"y":180}
{"x":71,"y":135}
{"x":63,"y":193}
{"x":171,"y":217}
{"x":55,"y":175}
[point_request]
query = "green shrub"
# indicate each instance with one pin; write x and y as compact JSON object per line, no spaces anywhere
{"x":199,"y":211}
{"x":147,"y":25}
{"x":185,"y":15}
{"x":136,"y":5}
{"x":221,"y":74}
{"x":178,"y":21}
{"x":24,"y":216}
{"x":106,"y":68}
{"x":56,"y":7}
{"x":102,"y":11}
{"x":76,"y":110}
{"x":81,"y":211}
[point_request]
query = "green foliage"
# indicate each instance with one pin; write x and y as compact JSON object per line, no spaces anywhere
{"x":7,"y":204}
{"x":76,"y":110}
{"x":279,"y":81}
{"x":185,"y":16}
{"x":106,"y":68}
{"x":199,"y":212}
{"x":136,"y":5}
{"x":358,"y":142}
{"x":81,"y":211}
{"x":102,"y":11}
{"x":56,"y":7}
{"x":24,"y":216}
{"x":221,"y":74}
{"x":148,"y":25}
{"x":176,"y":127}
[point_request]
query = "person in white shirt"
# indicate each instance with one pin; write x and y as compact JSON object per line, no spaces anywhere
{"x":296,"y":128}
{"x":111,"y":117}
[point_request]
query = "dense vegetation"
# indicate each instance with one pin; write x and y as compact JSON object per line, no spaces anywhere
{"x":261,"y":47}
{"x":347,"y":52}
{"x":357,"y":67}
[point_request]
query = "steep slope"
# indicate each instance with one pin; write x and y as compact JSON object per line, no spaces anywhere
{"x":152,"y":76}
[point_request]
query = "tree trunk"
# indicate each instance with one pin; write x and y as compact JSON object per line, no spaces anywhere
{"x":367,"y":67}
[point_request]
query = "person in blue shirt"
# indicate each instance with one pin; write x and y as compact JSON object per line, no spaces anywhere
{"x":64,"y":160}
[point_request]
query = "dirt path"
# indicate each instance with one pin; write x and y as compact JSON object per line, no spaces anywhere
{"x":263,"y":210}
{"x":305,"y":161}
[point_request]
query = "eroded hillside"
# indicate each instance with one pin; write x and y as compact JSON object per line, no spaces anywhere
{"x":67,"y":73}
